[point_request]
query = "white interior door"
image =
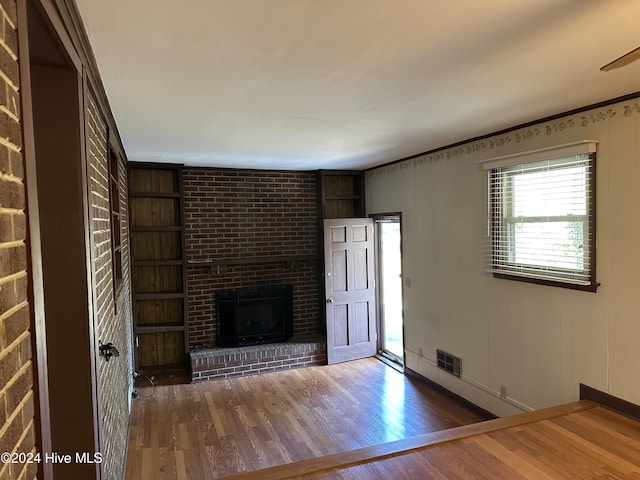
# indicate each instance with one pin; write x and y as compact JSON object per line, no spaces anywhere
{"x":350,"y":289}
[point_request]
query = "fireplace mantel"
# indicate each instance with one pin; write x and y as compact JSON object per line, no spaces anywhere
{"x":289,"y":260}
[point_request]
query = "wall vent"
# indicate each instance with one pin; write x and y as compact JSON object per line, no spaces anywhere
{"x":448,"y":362}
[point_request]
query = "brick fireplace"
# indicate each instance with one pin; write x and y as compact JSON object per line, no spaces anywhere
{"x":244,"y":229}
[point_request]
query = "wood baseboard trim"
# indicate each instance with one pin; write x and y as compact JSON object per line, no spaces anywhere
{"x":607,"y":400}
{"x":454,"y":397}
{"x":386,"y":450}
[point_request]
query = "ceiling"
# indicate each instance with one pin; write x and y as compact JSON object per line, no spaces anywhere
{"x":347,"y":84}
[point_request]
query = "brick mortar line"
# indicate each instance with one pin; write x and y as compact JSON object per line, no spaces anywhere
{"x":19,"y":407}
{"x":9,"y":113}
{"x":12,"y":277}
{"x":11,"y":244}
{"x":10,"y":211}
{"x":16,"y":88}
{"x":15,"y":105}
{"x":10,"y":178}
{"x":20,"y":337}
{"x":25,"y":432}
{"x":33,"y":451}
{"x":6,"y":17}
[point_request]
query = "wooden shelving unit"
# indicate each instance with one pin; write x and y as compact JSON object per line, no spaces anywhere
{"x":158,"y":267}
{"x":341,"y":194}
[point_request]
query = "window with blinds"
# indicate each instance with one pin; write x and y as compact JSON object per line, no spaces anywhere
{"x":541,"y":216}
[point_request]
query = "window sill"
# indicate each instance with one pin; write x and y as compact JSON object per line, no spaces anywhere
{"x":540,"y":281}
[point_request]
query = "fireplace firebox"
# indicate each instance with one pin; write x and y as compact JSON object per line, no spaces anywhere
{"x":254,"y":315}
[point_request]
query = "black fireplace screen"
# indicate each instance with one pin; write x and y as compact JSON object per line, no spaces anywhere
{"x":254,"y":315}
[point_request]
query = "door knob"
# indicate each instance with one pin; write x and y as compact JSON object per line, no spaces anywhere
{"x":107,"y":350}
{"x":329,"y":300}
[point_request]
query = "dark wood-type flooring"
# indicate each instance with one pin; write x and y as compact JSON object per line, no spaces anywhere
{"x":220,"y":428}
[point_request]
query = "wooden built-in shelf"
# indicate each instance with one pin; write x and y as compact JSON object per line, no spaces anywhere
{"x":157,"y":263}
{"x":170,"y":228}
{"x":154,"y":194}
{"x":157,"y":296}
{"x":340,"y":194}
{"x":141,"y":329}
{"x":342,"y":197}
{"x":160,"y":321}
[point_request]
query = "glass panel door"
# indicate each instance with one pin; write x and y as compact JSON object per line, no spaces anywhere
{"x":390,"y":288}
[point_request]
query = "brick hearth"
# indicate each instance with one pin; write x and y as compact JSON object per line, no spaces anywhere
{"x":218,"y":363}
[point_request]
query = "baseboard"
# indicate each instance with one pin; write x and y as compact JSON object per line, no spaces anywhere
{"x":609,"y":401}
{"x":454,"y":397}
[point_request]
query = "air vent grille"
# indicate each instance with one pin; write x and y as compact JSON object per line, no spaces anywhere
{"x":448,"y":362}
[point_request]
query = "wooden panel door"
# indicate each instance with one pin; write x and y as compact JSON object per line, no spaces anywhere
{"x":349,"y":289}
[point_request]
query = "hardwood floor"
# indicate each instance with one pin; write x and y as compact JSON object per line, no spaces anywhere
{"x":214,"y":429}
{"x":579,"y":440}
{"x":592,"y":444}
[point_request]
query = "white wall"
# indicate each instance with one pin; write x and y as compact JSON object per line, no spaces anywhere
{"x":539,"y":342}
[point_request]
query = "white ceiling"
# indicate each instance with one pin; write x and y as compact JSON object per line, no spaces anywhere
{"x":307,"y":84}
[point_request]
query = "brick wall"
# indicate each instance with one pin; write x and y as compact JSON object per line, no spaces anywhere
{"x":112,"y":324}
{"x":17,"y":432}
{"x":245,"y":213}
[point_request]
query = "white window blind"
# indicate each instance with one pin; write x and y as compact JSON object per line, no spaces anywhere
{"x":541,"y":215}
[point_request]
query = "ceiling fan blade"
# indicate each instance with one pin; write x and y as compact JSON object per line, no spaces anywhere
{"x":625,"y":59}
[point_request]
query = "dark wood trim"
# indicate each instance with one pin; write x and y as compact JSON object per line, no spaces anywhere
{"x":158,"y":296}
{"x":140,"y":164}
{"x":173,"y":228}
{"x":340,"y":172}
{"x":92,"y":296}
{"x":593,"y":227}
{"x":454,"y":397}
{"x":50,"y":13}
{"x":157,"y":263}
{"x":389,"y":215}
{"x":160,"y":328}
{"x":71,"y":17}
{"x":83,"y":374}
{"x":322,"y":295}
{"x":154,"y":165}
{"x":33,"y":241}
{"x":616,"y":404}
{"x":342,"y":197}
{"x":183,"y":250}
{"x":623,"y":98}
{"x":358,"y":199}
{"x":154,"y":195}
{"x":550,"y":283}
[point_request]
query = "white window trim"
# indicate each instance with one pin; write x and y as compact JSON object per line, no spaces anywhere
{"x":548,"y":153}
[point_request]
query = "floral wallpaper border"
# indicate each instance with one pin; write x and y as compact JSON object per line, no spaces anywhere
{"x":517,"y":136}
